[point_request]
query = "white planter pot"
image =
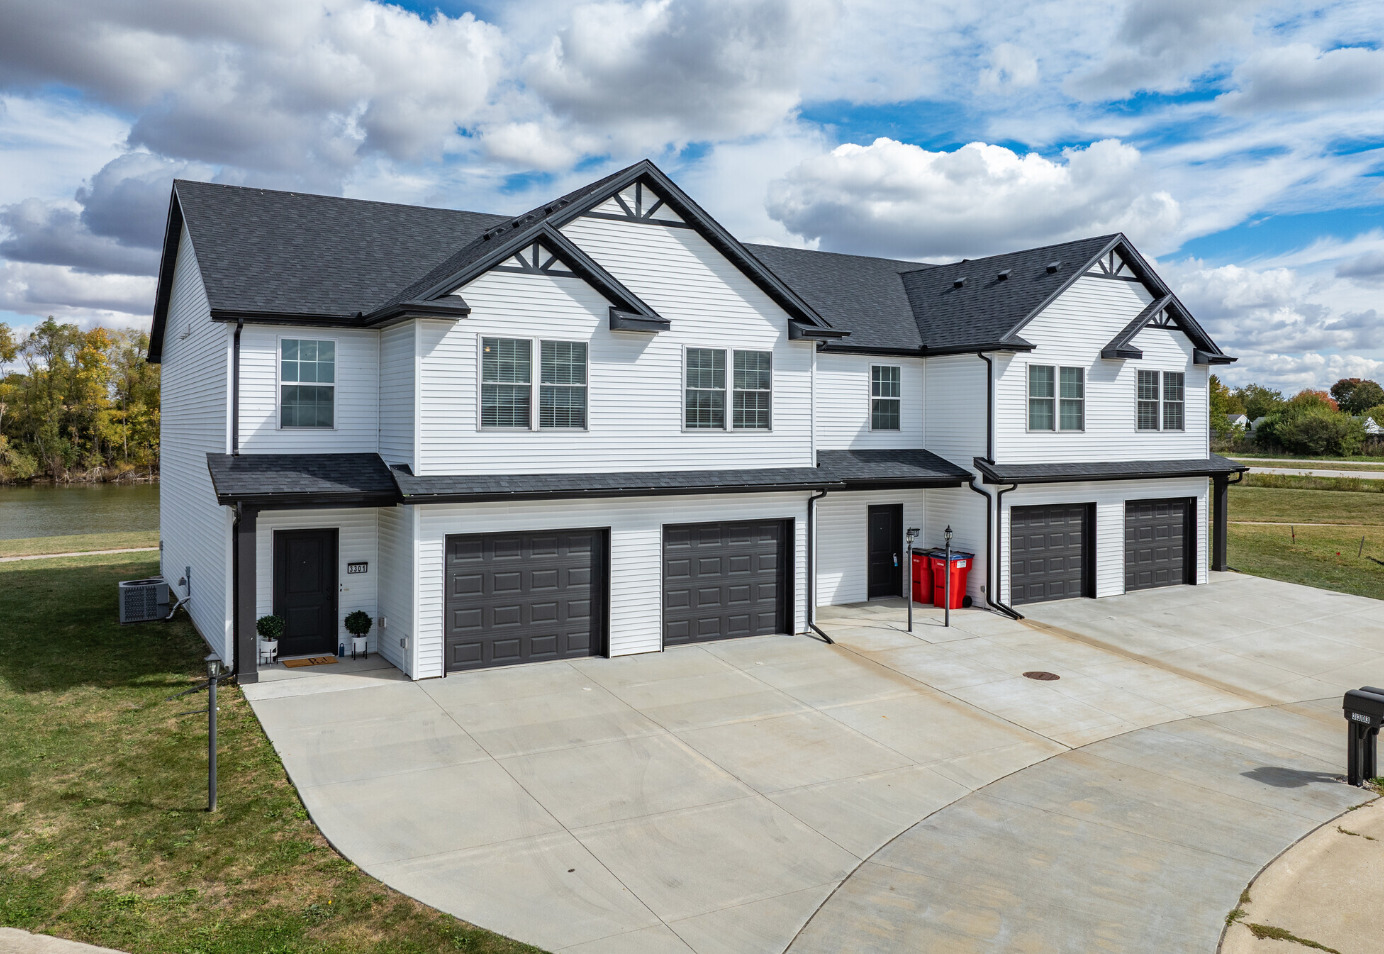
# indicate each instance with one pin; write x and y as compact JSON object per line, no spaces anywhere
{"x":359,"y":646}
{"x":268,"y":650}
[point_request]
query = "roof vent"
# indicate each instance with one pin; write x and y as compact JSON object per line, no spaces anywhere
{"x":1004,"y":275}
{"x":1053,"y":266}
{"x":958,"y":283}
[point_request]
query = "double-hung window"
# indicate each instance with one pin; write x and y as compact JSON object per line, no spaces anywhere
{"x":1148,"y":417}
{"x":1174,"y":400}
{"x":307,"y":383}
{"x":885,"y":397}
{"x":507,"y":383}
{"x":753,"y":390}
{"x":1056,"y":398}
{"x":750,"y":383}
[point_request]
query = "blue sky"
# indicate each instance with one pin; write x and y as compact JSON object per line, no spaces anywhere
{"x":1240,"y":144}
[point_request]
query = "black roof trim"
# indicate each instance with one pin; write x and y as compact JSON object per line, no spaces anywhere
{"x":1106,"y":470}
{"x":483,"y":487}
{"x":629,"y":321}
{"x":172,"y":236}
{"x":1205,"y":357}
{"x":278,"y":481}
{"x":1119,"y":346}
{"x":802,"y":331}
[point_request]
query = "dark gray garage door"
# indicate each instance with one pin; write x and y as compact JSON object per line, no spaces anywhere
{"x":524,"y":597}
{"x":1158,"y":542}
{"x":1048,"y":552}
{"x":722,"y":580}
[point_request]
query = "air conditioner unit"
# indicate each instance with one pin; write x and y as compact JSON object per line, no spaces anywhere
{"x":143,"y":600}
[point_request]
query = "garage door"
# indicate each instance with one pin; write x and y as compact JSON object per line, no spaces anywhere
{"x":1158,"y":543}
{"x":1047,"y":552}
{"x":723,"y":580}
{"x":524,"y":597}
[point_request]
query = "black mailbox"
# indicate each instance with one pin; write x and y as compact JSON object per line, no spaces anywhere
{"x":1364,"y":712}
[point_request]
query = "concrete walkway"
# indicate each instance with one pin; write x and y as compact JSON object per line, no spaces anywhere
{"x":15,"y":941}
{"x":711,"y":798}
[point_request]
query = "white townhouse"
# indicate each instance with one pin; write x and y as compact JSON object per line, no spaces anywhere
{"x":606,"y":426}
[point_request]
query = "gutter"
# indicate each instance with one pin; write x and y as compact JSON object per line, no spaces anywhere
{"x":812,"y":565}
{"x":992,"y":568}
{"x":235,"y":387}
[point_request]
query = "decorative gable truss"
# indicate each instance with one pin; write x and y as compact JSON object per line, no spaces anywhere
{"x":638,"y":203}
{"x":1112,"y":265}
{"x":1163,"y":312}
{"x":536,"y":260}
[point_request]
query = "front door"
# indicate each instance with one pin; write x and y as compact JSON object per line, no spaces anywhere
{"x":305,"y":585}
{"x":886,"y":551}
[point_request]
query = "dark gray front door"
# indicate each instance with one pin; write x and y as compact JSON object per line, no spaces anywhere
{"x":524,"y":597}
{"x":885,"y":551}
{"x":305,"y":591}
{"x":1158,"y":542}
{"x":1048,"y":552}
{"x":722,"y":580}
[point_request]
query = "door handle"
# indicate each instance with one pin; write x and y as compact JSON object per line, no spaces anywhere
{"x":896,"y":559}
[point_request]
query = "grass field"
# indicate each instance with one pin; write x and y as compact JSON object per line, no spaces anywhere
{"x":1259,"y":455}
{"x":79,"y":543}
{"x":1346,"y":465}
{"x":1329,"y":557}
{"x":1363,"y":485}
{"x":104,"y":835}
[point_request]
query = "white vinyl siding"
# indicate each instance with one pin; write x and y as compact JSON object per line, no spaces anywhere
{"x":395,"y":596}
{"x":356,"y":399}
{"x":845,"y":401}
{"x":636,"y":554}
{"x":962,"y":509}
{"x":954,"y":426}
{"x":843,"y":545}
{"x":195,"y":531}
{"x":1070,"y":333}
{"x":397,"y":379}
{"x":356,"y":542}
{"x":1109,"y":496}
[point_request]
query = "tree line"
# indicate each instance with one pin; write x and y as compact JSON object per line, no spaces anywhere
{"x":77,"y":405}
{"x":1334,"y":424}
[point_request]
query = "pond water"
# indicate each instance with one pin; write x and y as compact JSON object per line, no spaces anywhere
{"x":55,"y":511}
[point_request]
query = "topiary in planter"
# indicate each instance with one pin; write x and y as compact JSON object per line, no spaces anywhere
{"x":270,"y":627}
{"x":358,"y":623}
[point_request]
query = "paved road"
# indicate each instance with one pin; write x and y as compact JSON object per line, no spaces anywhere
{"x":50,"y":556}
{"x":1293,"y":462}
{"x":15,"y":941}
{"x":1307,"y":472}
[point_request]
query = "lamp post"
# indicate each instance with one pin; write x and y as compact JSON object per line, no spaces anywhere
{"x":908,"y":536}
{"x":213,"y":674}
{"x":946,"y":589}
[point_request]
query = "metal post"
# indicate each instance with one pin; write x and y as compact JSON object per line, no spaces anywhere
{"x":946,"y":580}
{"x":908,"y":537}
{"x":211,"y":744}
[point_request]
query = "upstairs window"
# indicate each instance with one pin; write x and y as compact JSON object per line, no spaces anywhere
{"x":562,"y":384}
{"x":753,"y":389}
{"x":705,"y":400}
{"x":307,"y":383}
{"x":1042,"y":394}
{"x":1174,"y":400}
{"x":885,"y":397}
{"x":1071,"y":399}
{"x":1148,"y":401}
{"x":506,"y":382}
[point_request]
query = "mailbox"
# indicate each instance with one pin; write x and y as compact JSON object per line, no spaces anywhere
{"x":1364,"y":712}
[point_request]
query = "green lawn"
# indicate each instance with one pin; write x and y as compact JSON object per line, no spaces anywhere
{"x":1363,"y":485}
{"x":1292,"y":457}
{"x":1327,"y":557}
{"x":104,"y":835}
{"x":79,"y":543}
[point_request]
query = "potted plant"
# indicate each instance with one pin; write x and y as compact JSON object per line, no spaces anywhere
{"x":358,"y":623}
{"x":270,"y":628}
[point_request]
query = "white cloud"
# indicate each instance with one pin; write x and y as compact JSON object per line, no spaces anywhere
{"x":1010,"y":66}
{"x":1298,"y":76}
{"x":71,"y":295}
{"x":892,"y":198}
{"x":1368,"y":268}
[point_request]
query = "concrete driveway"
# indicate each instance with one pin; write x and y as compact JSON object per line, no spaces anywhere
{"x":712,"y":798}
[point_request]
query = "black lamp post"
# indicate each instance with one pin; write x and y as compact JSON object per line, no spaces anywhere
{"x":214,"y":672}
{"x":946,"y":588}
{"x":908,"y":536}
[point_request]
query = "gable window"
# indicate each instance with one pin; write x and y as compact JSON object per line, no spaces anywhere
{"x":705,"y":399}
{"x":1148,"y":401}
{"x":753,"y":389}
{"x":307,"y":383}
{"x":885,"y":397}
{"x":562,"y":384}
{"x":506,"y":382}
{"x":1071,"y":399}
{"x":1041,"y":397}
{"x":1174,"y":400}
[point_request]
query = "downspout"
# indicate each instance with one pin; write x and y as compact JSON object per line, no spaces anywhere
{"x":812,"y":565}
{"x":991,"y":503}
{"x":235,"y":388}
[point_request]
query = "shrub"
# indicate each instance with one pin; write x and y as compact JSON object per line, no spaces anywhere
{"x":358,"y":623}
{"x":270,"y":627}
{"x":1321,"y":432}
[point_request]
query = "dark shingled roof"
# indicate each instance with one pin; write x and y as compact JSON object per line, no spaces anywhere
{"x":906,"y":467}
{"x":1213,"y":465}
{"x":291,"y":253}
{"x":285,"y":479}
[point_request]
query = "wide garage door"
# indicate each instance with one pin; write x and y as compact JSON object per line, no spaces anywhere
{"x":1048,"y":552}
{"x":524,"y":597}
{"x":722,"y":580}
{"x":1158,"y":543}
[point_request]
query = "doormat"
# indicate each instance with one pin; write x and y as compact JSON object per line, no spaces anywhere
{"x":310,"y":661}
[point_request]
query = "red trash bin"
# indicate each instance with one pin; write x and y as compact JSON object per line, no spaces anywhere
{"x":960,"y":570}
{"x":922,"y":577}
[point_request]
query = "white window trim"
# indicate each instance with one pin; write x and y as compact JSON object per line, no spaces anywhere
{"x":870,"y":402}
{"x":279,"y":383}
{"x":535,"y":387}
{"x":1057,"y":422}
{"x":1056,"y":399}
{"x":728,"y":401}
{"x":1158,"y":426}
{"x":730,"y":390}
{"x":1163,"y":403}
